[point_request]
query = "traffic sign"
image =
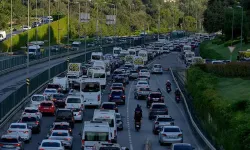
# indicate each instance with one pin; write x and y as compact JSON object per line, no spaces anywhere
{"x":231,"y":48}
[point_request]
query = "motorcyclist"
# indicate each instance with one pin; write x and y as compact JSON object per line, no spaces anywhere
{"x":177,"y":92}
{"x":138,"y":113}
{"x":168,"y":84}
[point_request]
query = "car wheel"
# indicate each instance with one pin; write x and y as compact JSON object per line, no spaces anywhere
{"x":161,"y":143}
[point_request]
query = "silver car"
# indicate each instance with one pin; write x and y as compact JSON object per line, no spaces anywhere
{"x":160,"y":121}
{"x":133,"y":74}
{"x":64,"y":136}
{"x":119,"y":121}
{"x":157,"y":68}
{"x":141,"y":92}
{"x":170,"y":134}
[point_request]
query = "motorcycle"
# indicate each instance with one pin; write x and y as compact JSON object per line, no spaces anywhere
{"x":168,"y":89}
{"x":137,"y":125}
{"x":177,"y":98}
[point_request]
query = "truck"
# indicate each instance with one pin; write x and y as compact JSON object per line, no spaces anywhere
{"x":2,"y":35}
{"x":243,"y":55}
{"x":138,"y":61}
{"x":74,"y":69}
{"x":188,"y":57}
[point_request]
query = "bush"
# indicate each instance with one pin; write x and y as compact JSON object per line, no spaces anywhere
{"x":42,"y":35}
{"x":230,"y":42}
{"x":223,"y":121}
{"x":208,"y":53}
{"x":234,"y":69}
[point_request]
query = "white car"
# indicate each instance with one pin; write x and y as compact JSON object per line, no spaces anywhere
{"x":51,"y":145}
{"x":20,"y":129}
{"x":32,"y":111}
{"x":142,"y":84}
{"x":64,"y":136}
{"x":170,"y":134}
{"x":157,"y":68}
{"x":37,"y":99}
{"x":144,"y":72}
{"x":48,"y":92}
{"x":25,"y":28}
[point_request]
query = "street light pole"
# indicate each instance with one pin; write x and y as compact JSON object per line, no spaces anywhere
{"x":68,"y":27}
{"x":11,"y":30}
{"x":130,"y":9}
{"x":85,"y":38}
{"x":58,"y":25}
{"x":115,"y":13}
{"x":159,"y":20}
{"x":232,"y":28}
{"x":49,"y":41}
{"x":27,"y":46}
{"x":79,"y":20}
{"x":36,"y":21}
{"x":241,"y":38}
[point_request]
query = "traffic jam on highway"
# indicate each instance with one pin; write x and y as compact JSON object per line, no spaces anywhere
{"x":67,"y":99}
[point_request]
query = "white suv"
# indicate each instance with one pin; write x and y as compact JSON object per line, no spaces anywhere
{"x":157,"y":68}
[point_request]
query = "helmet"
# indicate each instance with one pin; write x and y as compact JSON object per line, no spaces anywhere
{"x":168,"y":81}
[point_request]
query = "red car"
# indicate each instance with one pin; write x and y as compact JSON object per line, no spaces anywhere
{"x":47,"y":107}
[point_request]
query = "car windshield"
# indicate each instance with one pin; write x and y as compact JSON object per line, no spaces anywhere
{"x":8,"y":140}
{"x":143,"y":70}
{"x":108,"y":106}
{"x":158,"y":107}
{"x":53,"y":86}
{"x":61,"y":127}
{"x":116,"y":93}
{"x":99,"y":75}
{"x":50,"y":91}
{"x":29,"y":119}
{"x":59,"y":134}
{"x":91,"y":87}
{"x":96,"y":57}
{"x":16,"y":126}
{"x":46,"y":104}
{"x":50,"y":144}
{"x":73,"y":100}
{"x":38,"y":98}
{"x":164,"y":119}
{"x":171,"y":130}
{"x":142,"y":83}
{"x":32,"y":50}
{"x":117,"y":84}
{"x":117,"y":51}
{"x":31,"y":110}
{"x":96,"y":136}
{"x":183,"y":147}
{"x":155,"y":95}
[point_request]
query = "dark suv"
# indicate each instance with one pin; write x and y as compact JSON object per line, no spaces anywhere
{"x":65,"y":115}
{"x":155,"y":97}
{"x":117,"y":96}
{"x":33,"y":122}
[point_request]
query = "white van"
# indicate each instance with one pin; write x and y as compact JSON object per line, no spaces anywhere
{"x":116,"y":51}
{"x":100,"y":76}
{"x":2,"y":35}
{"x":76,"y":103}
{"x":76,"y":45}
{"x":90,"y":71}
{"x":63,"y":81}
{"x":34,"y":51}
{"x":144,"y":55}
{"x":109,"y":116}
{"x":188,"y":57}
{"x":92,"y":92}
{"x":187,"y":48}
{"x":99,"y":63}
{"x":94,"y":132}
{"x":96,"y":56}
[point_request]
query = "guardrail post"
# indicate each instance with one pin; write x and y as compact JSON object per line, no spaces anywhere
{"x":28,"y":84}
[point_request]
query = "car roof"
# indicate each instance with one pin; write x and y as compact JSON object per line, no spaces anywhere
{"x":65,"y":131}
{"x":108,"y":103}
{"x":18,"y":123}
{"x":60,"y":123}
{"x":10,"y":136}
{"x":116,"y":91}
{"x":155,"y":92}
{"x":29,"y":115}
{"x":45,"y":140}
{"x":171,"y":127}
{"x":158,"y":104}
{"x":29,"y":108}
{"x":163,"y":116}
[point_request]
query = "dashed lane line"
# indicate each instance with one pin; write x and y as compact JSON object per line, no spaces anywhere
{"x":129,"y":131}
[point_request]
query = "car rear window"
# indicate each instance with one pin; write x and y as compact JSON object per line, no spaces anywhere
{"x":183,"y":147}
{"x":117,"y":84}
{"x":67,"y":113}
{"x":155,"y":95}
{"x":109,"y":148}
{"x":116,"y":92}
{"x":38,"y":98}
{"x":133,"y":71}
{"x":58,"y":96}
{"x":29,"y":119}
{"x":91,"y":87}
{"x":144,"y":89}
{"x":164,"y":119}
{"x":46,"y":104}
{"x":8,"y":140}
{"x":61,"y":127}
{"x":158,"y":106}
{"x":59,"y":134}
{"x":18,"y":126}
{"x":30,"y":110}
{"x":108,"y":106}
{"x":50,"y":144}
{"x":171,"y":130}
{"x":73,"y":100}
{"x":157,"y":66}
{"x":53,"y":86}
{"x":50,"y":91}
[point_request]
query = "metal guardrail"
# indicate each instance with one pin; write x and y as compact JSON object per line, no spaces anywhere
{"x":46,"y":59}
{"x":206,"y":141}
{"x":148,"y":145}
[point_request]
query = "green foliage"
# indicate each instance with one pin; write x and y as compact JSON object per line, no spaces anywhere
{"x":42,"y":35}
{"x":208,"y":53}
{"x":230,"y":42}
{"x":234,"y":69}
{"x":224,"y":120}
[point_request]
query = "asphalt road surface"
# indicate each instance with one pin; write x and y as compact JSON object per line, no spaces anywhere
{"x":129,"y":137}
{"x":12,"y":81}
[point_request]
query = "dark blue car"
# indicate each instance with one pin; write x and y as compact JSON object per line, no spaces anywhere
{"x":117,"y":96}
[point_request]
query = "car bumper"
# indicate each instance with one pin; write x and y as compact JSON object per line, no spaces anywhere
{"x":166,"y":141}
{"x":157,"y":113}
{"x":25,"y":137}
{"x":78,"y":117}
{"x":67,"y":145}
{"x":92,"y":104}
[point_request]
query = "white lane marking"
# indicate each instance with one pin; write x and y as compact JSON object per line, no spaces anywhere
{"x":129,"y":131}
{"x":182,"y":113}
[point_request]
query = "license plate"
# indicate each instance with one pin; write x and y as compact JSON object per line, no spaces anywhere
{"x":117,"y":97}
{"x":172,"y":137}
{"x":46,"y":108}
{"x":8,"y":146}
{"x":137,"y":126}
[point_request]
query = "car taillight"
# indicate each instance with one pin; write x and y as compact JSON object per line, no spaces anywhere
{"x":180,"y":135}
{"x":98,"y":97}
{"x":123,"y":96}
{"x":9,"y":131}
{"x":37,"y":122}
{"x":114,"y":132}
{"x":110,"y":96}
{"x":164,"y":134}
{"x":68,"y":139}
{"x":25,"y":132}
{"x":1,"y":145}
{"x":109,"y":141}
{"x":17,"y":145}
{"x":83,"y":142}
{"x":156,"y":122}
{"x":148,"y":98}
{"x":41,"y":149}
{"x":82,"y":106}
{"x":162,"y":98}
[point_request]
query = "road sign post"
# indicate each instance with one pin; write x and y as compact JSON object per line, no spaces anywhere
{"x":231,"y":49}
{"x":28,"y":85}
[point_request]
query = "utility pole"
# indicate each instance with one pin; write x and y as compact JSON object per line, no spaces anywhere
{"x":85,"y":38}
{"x":49,"y":41}
{"x":58,"y":25}
{"x":11,"y":30}
{"x":36,"y":22}
{"x":159,"y":20}
{"x":27,"y":45}
{"x":79,"y":20}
